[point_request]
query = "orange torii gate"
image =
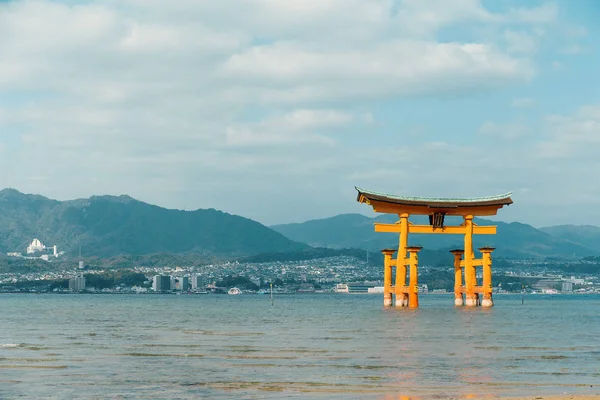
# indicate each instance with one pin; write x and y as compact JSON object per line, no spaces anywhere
{"x":437,"y":209}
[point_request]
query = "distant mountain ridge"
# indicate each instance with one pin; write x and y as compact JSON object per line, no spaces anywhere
{"x":513,"y":240}
{"x":587,"y":235}
{"x":108,"y":226}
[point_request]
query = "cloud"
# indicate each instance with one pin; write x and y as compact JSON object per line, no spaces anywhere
{"x":543,"y":14}
{"x":574,"y":49}
{"x":576,"y":32}
{"x":189,"y":104}
{"x":522,"y":41}
{"x":504,"y":131}
{"x":573,"y":138}
{"x":523,"y":102}
{"x":294,"y":128}
{"x":304,"y":73}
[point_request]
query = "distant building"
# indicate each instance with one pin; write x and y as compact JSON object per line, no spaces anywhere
{"x":196,"y":281}
{"x":360,"y":287}
{"x":77,"y":284}
{"x":577,"y":281}
{"x":341,"y":288}
{"x":545,"y":284}
{"x":182,"y":283}
{"x":35,"y":246}
{"x":37,"y":250}
{"x":567,"y":287}
{"x":161,"y":283}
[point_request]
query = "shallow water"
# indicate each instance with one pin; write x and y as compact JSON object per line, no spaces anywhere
{"x":305,"y":346}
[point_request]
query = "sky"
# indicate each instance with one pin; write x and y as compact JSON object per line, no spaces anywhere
{"x":275,"y":110}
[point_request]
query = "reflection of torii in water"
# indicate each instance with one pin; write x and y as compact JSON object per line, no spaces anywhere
{"x":464,"y":259}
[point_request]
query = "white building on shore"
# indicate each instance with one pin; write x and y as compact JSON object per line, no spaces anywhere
{"x":35,"y":248}
{"x":77,"y":284}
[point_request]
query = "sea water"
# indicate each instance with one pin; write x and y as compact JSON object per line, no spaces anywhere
{"x":303,"y":346}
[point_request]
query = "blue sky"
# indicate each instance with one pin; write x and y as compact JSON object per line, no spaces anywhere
{"x":275,"y":110}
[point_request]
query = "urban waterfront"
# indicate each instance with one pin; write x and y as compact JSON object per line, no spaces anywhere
{"x":305,"y":346}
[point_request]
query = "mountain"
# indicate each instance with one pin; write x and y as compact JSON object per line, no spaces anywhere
{"x":108,"y":226}
{"x":587,"y":235}
{"x":513,"y":240}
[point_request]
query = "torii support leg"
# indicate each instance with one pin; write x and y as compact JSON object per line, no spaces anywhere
{"x":458,"y":295}
{"x":470,"y":276}
{"x":387,"y":276}
{"x":401,"y":297}
{"x":413,"y":288}
{"x":487,"y":276}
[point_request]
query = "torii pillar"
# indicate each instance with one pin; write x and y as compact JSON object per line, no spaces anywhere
{"x":458,"y":290}
{"x":413,"y":286}
{"x":402,"y":297}
{"x":486,"y":286}
{"x":388,"y":263}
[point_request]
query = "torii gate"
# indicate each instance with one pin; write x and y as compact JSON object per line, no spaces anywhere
{"x":436,"y":209}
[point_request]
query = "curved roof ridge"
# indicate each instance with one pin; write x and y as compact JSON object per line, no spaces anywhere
{"x":505,"y":196}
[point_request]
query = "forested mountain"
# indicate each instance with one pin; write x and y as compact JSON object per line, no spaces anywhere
{"x":513,"y":240}
{"x":107,"y":226}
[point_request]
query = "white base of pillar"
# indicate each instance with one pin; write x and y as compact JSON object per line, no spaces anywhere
{"x":458,"y":301}
{"x":471,"y":302}
{"x":387,"y":302}
{"x":401,"y":301}
{"x":487,"y":303}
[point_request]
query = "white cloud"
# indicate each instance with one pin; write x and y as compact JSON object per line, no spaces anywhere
{"x":522,"y":42}
{"x":393,"y":68}
{"x":573,"y":138}
{"x":576,"y":32}
{"x":294,"y":128}
{"x":546,"y":13}
{"x":523,"y":102}
{"x":189,"y":104}
{"x":504,"y":131}
{"x":574,"y":49}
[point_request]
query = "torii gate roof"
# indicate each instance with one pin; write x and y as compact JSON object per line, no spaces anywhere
{"x":395,"y":204}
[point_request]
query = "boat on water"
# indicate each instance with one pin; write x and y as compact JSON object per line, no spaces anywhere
{"x":234,"y":290}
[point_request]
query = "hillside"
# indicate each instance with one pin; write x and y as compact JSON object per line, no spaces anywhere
{"x":587,"y":235}
{"x":513,"y":240}
{"x":108,"y":226}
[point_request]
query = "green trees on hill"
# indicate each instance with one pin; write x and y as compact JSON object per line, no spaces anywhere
{"x":241,"y":282}
{"x":115,"y":278}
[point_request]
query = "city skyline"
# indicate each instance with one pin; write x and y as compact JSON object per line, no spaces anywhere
{"x":276,"y":110}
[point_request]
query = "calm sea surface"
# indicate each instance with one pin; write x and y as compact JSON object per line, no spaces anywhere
{"x":305,"y":346}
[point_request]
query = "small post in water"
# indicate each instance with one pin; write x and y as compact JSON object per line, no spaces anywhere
{"x":271,"y":295}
